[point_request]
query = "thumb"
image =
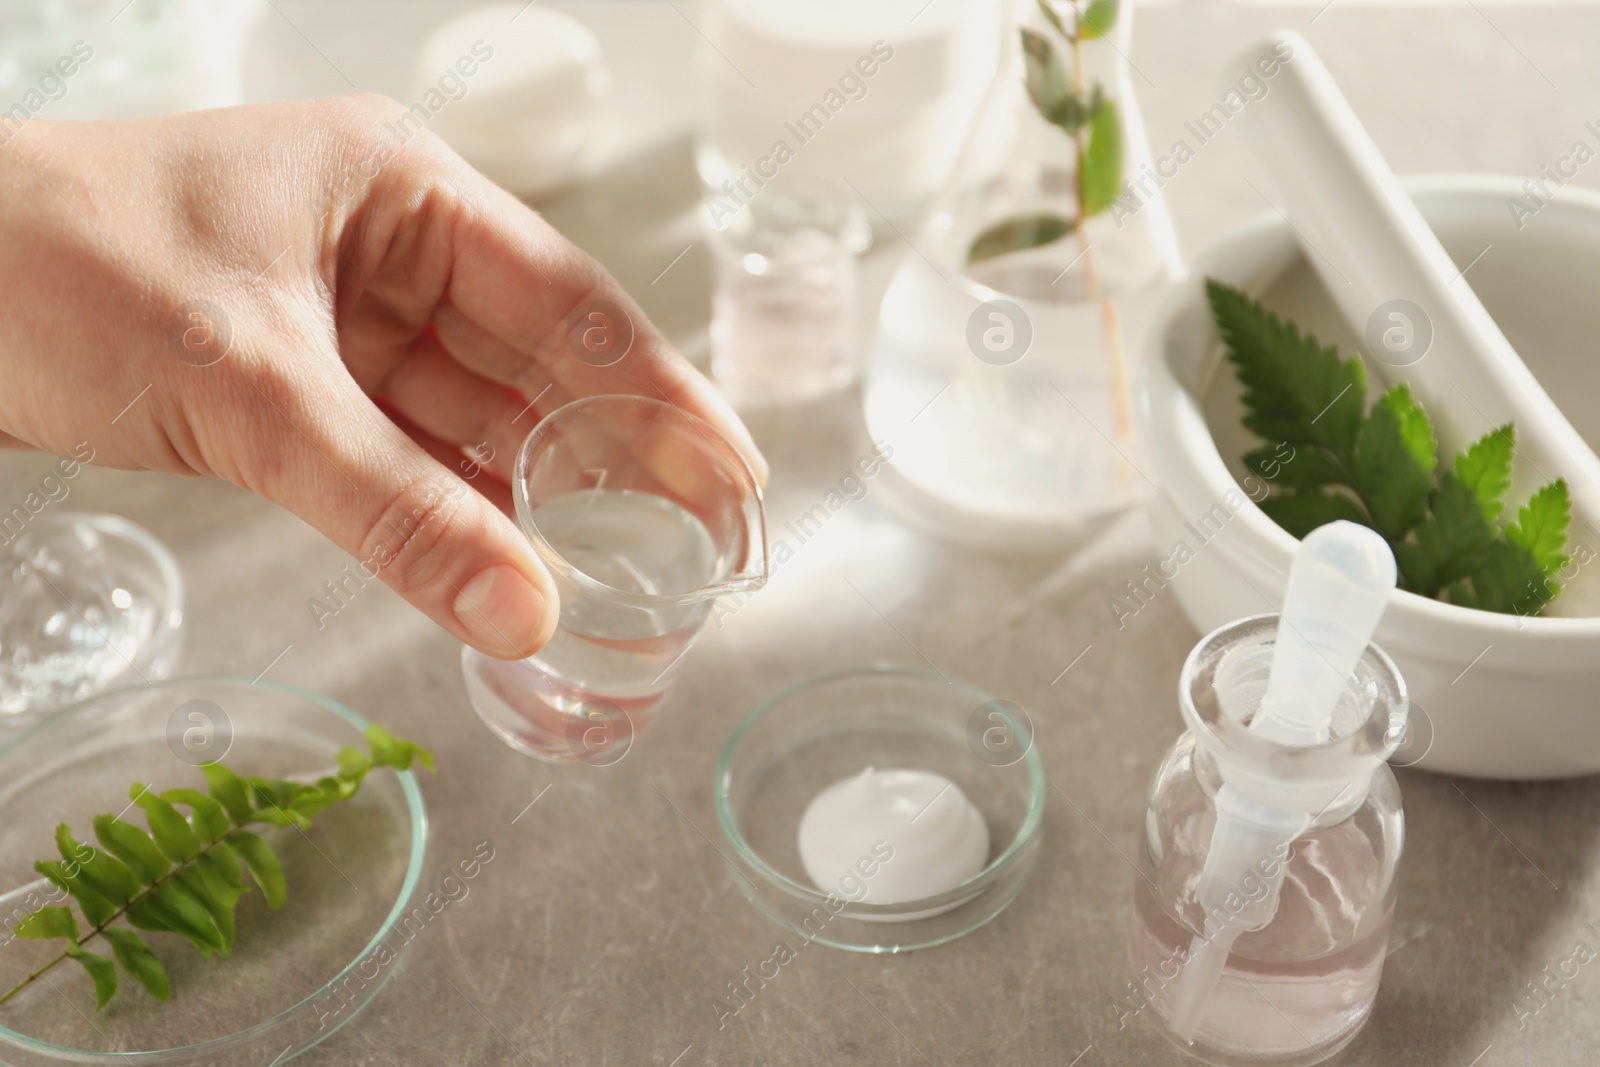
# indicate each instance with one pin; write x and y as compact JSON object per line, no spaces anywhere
{"x":360,"y":480}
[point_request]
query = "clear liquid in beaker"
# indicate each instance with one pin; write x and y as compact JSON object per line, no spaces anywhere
{"x":608,"y":667}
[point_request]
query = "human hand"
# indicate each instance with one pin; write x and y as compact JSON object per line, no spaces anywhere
{"x":354,"y":324}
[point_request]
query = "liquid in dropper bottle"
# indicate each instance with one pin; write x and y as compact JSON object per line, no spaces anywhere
{"x":1273,"y":828}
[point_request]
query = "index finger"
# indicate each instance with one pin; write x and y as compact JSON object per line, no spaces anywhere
{"x":524,"y":305}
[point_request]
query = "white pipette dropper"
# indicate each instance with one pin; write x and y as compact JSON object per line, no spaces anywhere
{"x":1339,"y":585}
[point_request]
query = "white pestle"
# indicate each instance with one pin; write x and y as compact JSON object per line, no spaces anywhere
{"x":1370,"y":245}
{"x":1339,"y":585}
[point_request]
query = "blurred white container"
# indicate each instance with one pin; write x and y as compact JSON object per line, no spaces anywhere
{"x":149,"y":57}
{"x":517,"y":90}
{"x":870,"y":99}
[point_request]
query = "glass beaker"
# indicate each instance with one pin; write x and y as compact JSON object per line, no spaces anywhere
{"x":1005,"y":366}
{"x":1298,"y":980}
{"x":783,"y":305}
{"x":644,"y":515}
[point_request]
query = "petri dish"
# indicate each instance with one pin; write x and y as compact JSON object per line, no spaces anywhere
{"x":822,"y":729}
{"x":296,"y":974}
{"x":87,"y":602}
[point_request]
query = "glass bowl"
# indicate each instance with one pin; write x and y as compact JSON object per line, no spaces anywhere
{"x":87,"y":602}
{"x":822,"y":729}
{"x":296,"y":974}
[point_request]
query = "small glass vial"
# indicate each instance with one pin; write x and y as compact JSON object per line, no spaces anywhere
{"x":1290,"y":983}
{"x":783,"y":306}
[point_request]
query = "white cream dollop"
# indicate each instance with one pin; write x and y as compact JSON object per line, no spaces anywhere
{"x":890,"y":836}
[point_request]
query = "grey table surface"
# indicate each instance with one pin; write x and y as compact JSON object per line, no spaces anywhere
{"x":609,"y":924}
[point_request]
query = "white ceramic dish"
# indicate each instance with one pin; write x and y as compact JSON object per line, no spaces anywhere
{"x":1498,"y":696}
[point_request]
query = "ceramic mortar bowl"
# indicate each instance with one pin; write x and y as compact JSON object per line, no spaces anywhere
{"x":1494,"y":696}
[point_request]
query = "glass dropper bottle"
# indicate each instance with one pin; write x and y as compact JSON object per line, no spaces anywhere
{"x":1272,"y":838}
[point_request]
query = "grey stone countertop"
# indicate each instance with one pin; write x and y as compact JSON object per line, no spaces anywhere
{"x":609,"y":924}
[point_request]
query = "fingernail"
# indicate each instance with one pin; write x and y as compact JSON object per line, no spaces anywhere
{"x":502,"y":610}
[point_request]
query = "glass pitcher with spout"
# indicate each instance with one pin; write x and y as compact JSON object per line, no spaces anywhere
{"x":645,"y":515}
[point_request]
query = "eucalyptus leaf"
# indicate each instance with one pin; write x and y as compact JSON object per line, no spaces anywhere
{"x":1101,"y":179}
{"x":1073,"y":111}
{"x":1098,"y":19}
{"x":1016,"y":234}
{"x":1045,"y":78}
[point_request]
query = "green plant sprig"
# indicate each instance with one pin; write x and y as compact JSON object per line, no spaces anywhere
{"x":185,"y":875}
{"x":1382,"y":469}
{"x":1083,"y":113}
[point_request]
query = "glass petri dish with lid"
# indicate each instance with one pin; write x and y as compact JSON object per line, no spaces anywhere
{"x":821,"y":730}
{"x":295,"y":974}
